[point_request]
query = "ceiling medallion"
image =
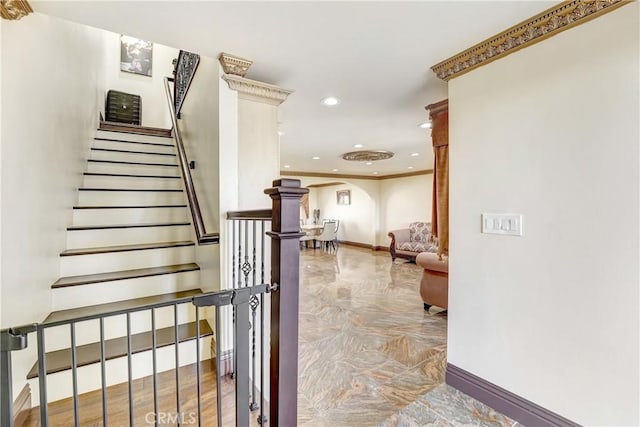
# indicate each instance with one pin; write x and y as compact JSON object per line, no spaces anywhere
{"x":367,"y":155}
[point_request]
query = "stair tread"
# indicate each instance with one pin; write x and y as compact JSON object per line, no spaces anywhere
{"x":108,"y":126}
{"x":113,"y":226}
{"x":87,"y":354}
{"x":125,"y":248}
{"x":123,"y":275}
{"x":92,"y":311}
{"x":133,"y":142}
{"x":159,"y":190}
{"x":127,"y":175}
{"x":130,"y":207}
{"x":114,"y":150}
{"x":123,"y":162}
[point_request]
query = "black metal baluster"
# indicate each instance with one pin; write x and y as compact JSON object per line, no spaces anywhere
{"x":129,"y":370}
{"x":103,"y":373}
{"x":74,"y":375}
{"x":42,"y":378}
{"x":218,"y":378}
{"x":246,"y":267}
{"x":154,"y":343}
{"x":177,"y":352}
{"x":198,"y":365}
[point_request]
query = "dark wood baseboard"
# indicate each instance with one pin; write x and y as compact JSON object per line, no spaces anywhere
{"x":22,"y":405}
{"x":504,"y":401}
{"x":364,"y":245}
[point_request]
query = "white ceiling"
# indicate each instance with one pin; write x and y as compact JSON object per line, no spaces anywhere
{"x":374,"y":56}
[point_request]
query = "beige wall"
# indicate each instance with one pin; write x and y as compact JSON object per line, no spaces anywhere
{"x":49,"y":115}
{"x":151,"y":89}
{"x":377,"y":206}
{"x":551,"y":132}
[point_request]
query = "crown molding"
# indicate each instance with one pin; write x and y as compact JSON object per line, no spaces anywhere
{"x":234,"y":64}
{"x":14,"y":9}
{"x":348,"y":176}
{"x":546,"y":24}
{"x":257,"y":91}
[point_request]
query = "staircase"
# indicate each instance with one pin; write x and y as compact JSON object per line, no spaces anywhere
{"x":130,"y":246}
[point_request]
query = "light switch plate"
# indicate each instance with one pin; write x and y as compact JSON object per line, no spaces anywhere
{"x":507,"y":224}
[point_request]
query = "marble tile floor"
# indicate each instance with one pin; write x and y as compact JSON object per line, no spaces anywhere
{"x":369,"y":355}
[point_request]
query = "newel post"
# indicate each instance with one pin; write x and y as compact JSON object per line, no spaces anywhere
{"x":285,"y":274}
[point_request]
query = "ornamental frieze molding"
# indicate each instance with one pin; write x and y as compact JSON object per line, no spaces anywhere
{"x":546,"y":24}
{"x":14,"y":9}
{"x":234,"y":64}
{"x":257,"y":91}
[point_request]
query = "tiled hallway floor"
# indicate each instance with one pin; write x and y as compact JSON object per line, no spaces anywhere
{"x":368,"y":350}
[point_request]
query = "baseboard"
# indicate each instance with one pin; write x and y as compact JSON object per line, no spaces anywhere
{"x":364,"y":245}
{"x":22,"y":405}
{"x":504,"y":401}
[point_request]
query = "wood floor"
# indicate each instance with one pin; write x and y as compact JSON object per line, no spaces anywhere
{"x":90,"y":404}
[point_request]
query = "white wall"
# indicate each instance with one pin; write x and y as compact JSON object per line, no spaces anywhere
{"x":551,"y":132}
{"x":49,"y":97}
{"x":377,"y":206}
{"x":403,"y":200}
{"x":154,"y":102}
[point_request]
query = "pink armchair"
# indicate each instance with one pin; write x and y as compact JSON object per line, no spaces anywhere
{"x":434,"y":286}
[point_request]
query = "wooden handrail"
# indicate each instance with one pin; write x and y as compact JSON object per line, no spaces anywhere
{"x":203,"y":237}
{"x":257,"y":215}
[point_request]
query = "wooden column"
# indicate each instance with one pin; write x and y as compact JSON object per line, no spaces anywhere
{"x":285,"y":274}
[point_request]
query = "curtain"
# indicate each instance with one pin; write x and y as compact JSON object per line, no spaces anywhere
{"x":304,"y":202}
{"x":439,"y":114}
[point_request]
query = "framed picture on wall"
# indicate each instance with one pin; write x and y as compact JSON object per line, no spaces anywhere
{"x":136,"y":56}
{"x":344,"y":197}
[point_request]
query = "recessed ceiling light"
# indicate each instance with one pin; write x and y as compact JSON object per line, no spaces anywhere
{"x":425,"y":125}
{"x":334,"y":170}
{"x":415,"y":154}
{"x":375,"y":173}
{"x":315,"y":158}
{"x":369,"y":163}
{"x":410,"y":167}
{"x":358,"y":145}
{"x":287,"y":166}
{"x":330,"y":101}
{"x":280,"y":133}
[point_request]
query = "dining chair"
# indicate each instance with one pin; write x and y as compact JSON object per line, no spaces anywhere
{"x":329,"y":235}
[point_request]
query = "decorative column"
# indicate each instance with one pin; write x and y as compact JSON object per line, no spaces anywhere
{"x":14,"y":9}
{"x":285,"y":275}
{"x":258,"y":139}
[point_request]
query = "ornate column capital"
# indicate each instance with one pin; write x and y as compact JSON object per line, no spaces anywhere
{"x":257,"y":91}
{"x":14,"y":9}
{"x":234,"y":65}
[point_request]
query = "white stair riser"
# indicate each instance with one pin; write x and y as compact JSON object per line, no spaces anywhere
{"x":59,"y":337}
{"x":60,"y":386}
{"x":130,"y":198}
{"x":77,"y":265}
{"x":118,"y":290}
{"x":133,"y":137}
{"x":100,"y":167}
{"x":127,"y":236}
{"x":97,"y":181}
{"x":129,"y":216}
{"x":132,"y":146}
{"x":132,"y":157}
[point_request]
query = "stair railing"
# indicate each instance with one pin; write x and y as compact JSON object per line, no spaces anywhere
{"x":185,"y":69}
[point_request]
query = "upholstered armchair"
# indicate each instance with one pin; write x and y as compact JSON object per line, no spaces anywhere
{"x":434,"y":286}
{"x":407,"y":243}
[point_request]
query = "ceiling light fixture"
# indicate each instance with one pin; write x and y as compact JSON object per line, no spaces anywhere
{"x":410,"y":167}
{"x":315,"y":158}
{"x":425,"y":125}
{"x":369,"y":163}
{"x":330,"y":101}
{"x":358,"y":145}
{"x":375,"y":173}
{"x":280,"y":133}
{"x":287,"y":166}
{"x":334,"y":170}
{"x":415,"y":154}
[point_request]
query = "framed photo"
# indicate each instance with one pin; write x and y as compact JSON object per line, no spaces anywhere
{"x":136,"y":56}
{"x":344,"y":197}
